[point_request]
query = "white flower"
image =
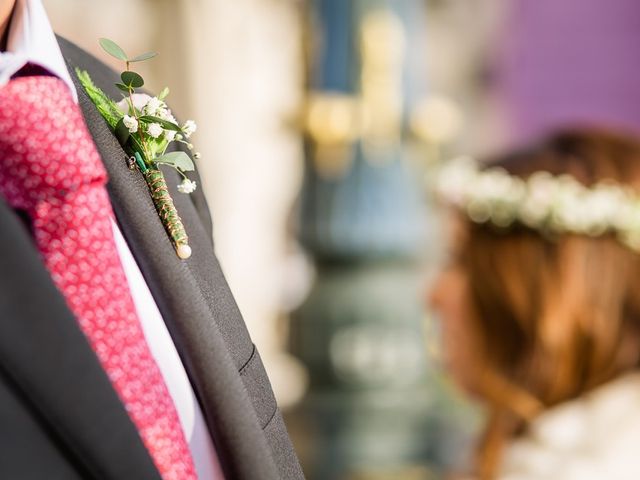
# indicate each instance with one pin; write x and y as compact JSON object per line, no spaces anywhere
{"x":139,"y":101}
{"x":131,"y":123}
{"x":154,"y":129}
{"x":455,"y":178}
{"x":536,"y":205}
{"x":187,"y":186}
{"x":170,"y":135}
{"x":165,"y":114}
{"x":544,"y":202}
{"x":152,"y":106}
{"x":189,"y":128}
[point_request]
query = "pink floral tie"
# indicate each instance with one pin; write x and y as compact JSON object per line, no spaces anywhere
{"x":50,"y":169}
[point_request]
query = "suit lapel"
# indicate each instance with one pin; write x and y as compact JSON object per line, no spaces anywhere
{"x":232,"y":420}
{"x":49,"y":361}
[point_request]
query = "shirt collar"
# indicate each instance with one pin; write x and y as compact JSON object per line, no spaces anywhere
{"x":31,"y":40}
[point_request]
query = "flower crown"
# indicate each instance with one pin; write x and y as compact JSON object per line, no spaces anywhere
{"x":543,"y":202}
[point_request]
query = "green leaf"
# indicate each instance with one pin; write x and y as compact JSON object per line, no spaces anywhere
{"x":122,"y":87}
{"x":113,"y":49}
{"x":122,"y":132}
{"x":136,"y":146}
{"x":107,"y":107}
{"x":143,"y":57}
{"x":177,"y":160}
{"x":163,"y":123}
{"x":163,"y":94}
{"x":132,"y":79}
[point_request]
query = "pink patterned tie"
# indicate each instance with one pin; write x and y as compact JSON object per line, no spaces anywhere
{"x":50,"y":168}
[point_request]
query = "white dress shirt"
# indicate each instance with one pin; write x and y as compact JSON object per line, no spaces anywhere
{"x":31,"y":40}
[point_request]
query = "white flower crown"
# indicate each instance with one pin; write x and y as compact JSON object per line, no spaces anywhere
{"x":543,"y":202}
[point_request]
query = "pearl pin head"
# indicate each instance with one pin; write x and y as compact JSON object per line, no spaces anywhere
{"x":183,"y":251}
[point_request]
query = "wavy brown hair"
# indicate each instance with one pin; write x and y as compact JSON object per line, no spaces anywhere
{"x":552,"y":318}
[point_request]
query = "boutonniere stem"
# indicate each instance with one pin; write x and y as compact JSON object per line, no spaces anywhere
{"x":145,"y":127}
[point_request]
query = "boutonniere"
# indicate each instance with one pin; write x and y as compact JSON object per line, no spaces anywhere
{"x":145,"y":128}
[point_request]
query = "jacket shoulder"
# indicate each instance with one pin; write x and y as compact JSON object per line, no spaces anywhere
{"x":104,"y":76}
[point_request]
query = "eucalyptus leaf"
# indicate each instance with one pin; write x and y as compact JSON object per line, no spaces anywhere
{"x":113,"y":49}
{"x":122,"y":87}
{"x":132,"y":79}
{"x":143,"y":57}
{"x":122,"y":132}
{"x":163,"y":123}
{"x":177,"y":160}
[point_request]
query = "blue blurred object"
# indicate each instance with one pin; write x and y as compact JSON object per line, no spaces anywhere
{"x":373,"y":208}
{"x":375,"y":407}
{"x":372,"y":212}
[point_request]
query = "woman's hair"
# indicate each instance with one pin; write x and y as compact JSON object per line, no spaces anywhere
{"x":552,"y":317}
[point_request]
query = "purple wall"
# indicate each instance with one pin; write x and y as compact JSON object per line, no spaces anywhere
{"x":563,"y":62}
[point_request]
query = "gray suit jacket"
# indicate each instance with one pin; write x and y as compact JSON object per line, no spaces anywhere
{"x":59,"y":416}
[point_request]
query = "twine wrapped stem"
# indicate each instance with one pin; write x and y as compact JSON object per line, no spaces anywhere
{"x":167,"y":211}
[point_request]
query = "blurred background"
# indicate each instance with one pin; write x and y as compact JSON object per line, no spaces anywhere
{"x":319,"y":121}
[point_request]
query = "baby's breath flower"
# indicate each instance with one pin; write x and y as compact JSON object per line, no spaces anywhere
{"x":165,"y":114}
{"x":152,"y":106}
{"x":189,"y":128}
{"x":154,"y":129}
{"x":187,"y":186}
{"x":170,"y":135}
{"x":131,"y":123}
{"x":139,"y":101}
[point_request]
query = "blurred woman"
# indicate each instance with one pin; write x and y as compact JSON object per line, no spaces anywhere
{"x":540,"y":306}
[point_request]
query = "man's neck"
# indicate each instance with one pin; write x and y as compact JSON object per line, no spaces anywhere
{"x":6,"y":11}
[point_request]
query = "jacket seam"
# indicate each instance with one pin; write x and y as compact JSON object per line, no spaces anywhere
{"x":243,"y":368}
{"x":273,"y":415}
